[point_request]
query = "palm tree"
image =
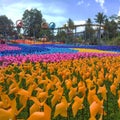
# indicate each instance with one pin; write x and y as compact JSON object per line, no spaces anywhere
{"x":106,"y":28}
{"x":118,"y":18}
{"x":70,"y":24}
{"x":70,"y":30}
{"x":100,"y":18}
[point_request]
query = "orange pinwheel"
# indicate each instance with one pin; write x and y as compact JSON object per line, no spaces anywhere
{"x":72,"y":93}
{"x":36,"y":106}
{"x":91,"y":93}
{"x":96,"y":108}
{"x":74,"y":80}
{"x":99,"y":82}
{"x":42,"y":96}
{"x":41,"y":115}
{"x":113,"y":89}
{"x":68,"y":84}
{"x":89,"y":83}
{"x":78,"y":104}
{"x":10,"y":112}
{"x":6,"y":114}
{"x":82,"y":88}
{"x":61,"y":108}
{"x":5,"y":101}
{"x":103,"y":91}
{"x":57,"y":96}
{"x":23,"y":92}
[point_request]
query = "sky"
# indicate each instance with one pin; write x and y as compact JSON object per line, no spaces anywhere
{"x":59,"y":11}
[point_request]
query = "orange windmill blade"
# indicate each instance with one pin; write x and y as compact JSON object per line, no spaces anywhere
{"x":10,"y":113}
{"x":68,"y":84}
{"x":57,"y":95}
{"x":82,"y":88}
{"x":61,"y":108}
{"x":96,"y":108}
{"x":113,"y":89}
{"x":6,"y":114}
{"x":72,"y":93}
{"x":89,"y":83}
{"x":5,"y":101}
{"x":78,"y":104}
{"x":103,"y":91}
{"x":91,"y":93}
{"x":41,"y":115}
{"x":42,"y":96}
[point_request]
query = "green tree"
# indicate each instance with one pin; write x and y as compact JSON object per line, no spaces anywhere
{"x":110,"y":29}
{"x":70,"y":34}
{"x":113,"y":17}
{"x":70,"y":24}
{"x":118,"y":21}
{"x":61,"y":36}
{"x":32,"y":20}
{"x":100,"y":19}
{"x":106,"y":29}
{"x":6,"y":26}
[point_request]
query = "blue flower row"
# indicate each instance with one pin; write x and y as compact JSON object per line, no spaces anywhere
{"x":53,"y":48}
{"x":36,"y":49}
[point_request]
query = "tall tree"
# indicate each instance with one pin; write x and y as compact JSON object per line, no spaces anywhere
{"x":100,"y":19}
{"x":6,"y":26}
{"x":32,"y":20}
{"x":70,"y":31}
{"x":106,"y":28}
{"x":118,"y":18}
{"x":110,"y":28}
{"x":61,"y":36}
{"x":70,"y":24}
{"x":113,"y":29}
{"x":113,"y":17}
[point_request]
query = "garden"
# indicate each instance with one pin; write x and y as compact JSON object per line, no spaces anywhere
{"x":59,"y":82}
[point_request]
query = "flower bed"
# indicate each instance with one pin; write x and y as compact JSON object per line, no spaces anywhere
{"x":61,"y":84}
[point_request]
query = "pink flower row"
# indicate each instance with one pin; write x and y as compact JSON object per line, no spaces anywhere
{"x":4,"y":47}
{"x":56,"y":57}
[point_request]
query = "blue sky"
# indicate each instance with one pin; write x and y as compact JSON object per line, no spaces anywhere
{"x":59,"y":11}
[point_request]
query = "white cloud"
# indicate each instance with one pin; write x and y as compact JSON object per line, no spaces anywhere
{"x":16,"y":10}
{"x":58,"y":20}
{"x":50,"y":12}
{"x":80,"y":2}
{"x":101,"y":2}
{"x":119,"y":12}
{"x":76,"y":22}
{"x":80,"y":22}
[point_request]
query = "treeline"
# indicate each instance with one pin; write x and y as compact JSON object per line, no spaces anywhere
{"x":108,"y":31}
